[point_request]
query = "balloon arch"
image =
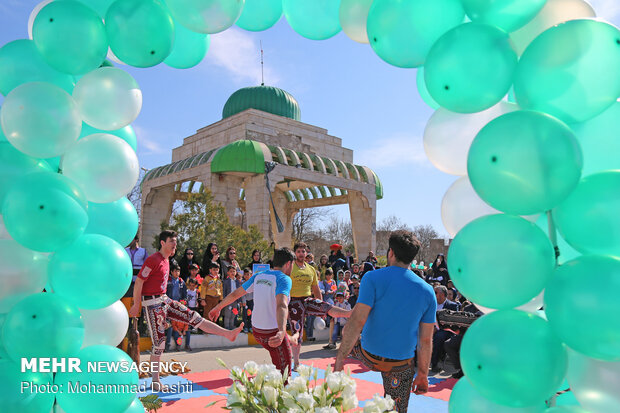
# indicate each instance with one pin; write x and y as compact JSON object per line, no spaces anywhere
{"x":527,"y":114}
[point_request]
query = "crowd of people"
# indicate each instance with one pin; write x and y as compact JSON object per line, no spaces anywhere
{"x":292,"y":290}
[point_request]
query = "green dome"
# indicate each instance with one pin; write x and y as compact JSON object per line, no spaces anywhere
{"x":239,"y":156}
{"x":266,"y":98}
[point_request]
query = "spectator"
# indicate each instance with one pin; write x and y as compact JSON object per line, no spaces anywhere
{"x":347,"y":277}
{"x":186,"y":260}
{"x":248,"y":303}
{"x":323,"y":266}
{"x":212,"y":255}
{"x":230,"y":261}
{"x":137,"y":255}
{"x":339,"y":322}
{"x":328,"y":287}
{"x":353,"y":293}
{"x":355,"y":270}
{"x":441,"y":335}
{"x":256,"y":259}
{"x":230,"y":285}
{"x":371,"y":258}
{"x":439,"y":270}
{"x":176,"y":288}
{"x":194,"y":274}
{"x":211,"y":289}
{"x":349,"y":260}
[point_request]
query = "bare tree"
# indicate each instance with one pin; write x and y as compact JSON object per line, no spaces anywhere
{"x":339,"y":231}
{"x":306,"y":222}
{"x":135,"y":196}
{"x":425,"y":233}
{"x":385,"y":227}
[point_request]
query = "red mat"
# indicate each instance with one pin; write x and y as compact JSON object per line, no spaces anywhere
{"x":196,"y":405}
{"x":215,"y":380}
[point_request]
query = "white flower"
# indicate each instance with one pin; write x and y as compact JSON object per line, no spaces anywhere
{"x":261,"y":372}
{"x":293,"y":410}
{"x":334,"y":382}
{"x":237,"y":388}
{"x":349,"y":402}
{"x":306,"y":401}
{"x":371,"y":407}
{"x":319,"y":391}
{"x":385,"y":404}
{"x":297,"y":385}
{"x":236,"y":410}
{"x":274,"y":378}
{"x":271,"y":395}
{"x":236,"y":372}
{"x":325,"y":410}
{"x":251,"y":367}
{"x":289,"y":401}
{"x":304,"y":371}
{"x":235,"y":397}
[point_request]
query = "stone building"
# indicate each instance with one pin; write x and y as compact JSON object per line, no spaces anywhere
{"x":260,"y":135}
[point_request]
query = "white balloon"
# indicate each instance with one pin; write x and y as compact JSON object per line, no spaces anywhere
{"x":106,"y":325}
{"x":319,"y":323}
{"x":448,"y":135}
{"x":554,"y":12}
{"x":461,"y":205}
{"x":4,"y":234}
{"x":534,"y":304}
{"x":108,"y":98}
{"x":594,"y":383}
{"x":33,"y":15}
{"x":23,"y":272}
{"x":103,"y":165}
{"x":353,"y":16}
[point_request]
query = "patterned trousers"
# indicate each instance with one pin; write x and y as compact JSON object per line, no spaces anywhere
{"x":281,"y":356}
{"x":397,"y":375}
{"x":157,"y":310}
{"x":299,"y":307}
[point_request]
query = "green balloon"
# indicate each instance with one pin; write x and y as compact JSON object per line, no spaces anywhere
{"x":524,"y":162}
{"x":189,"y":48}
{"x":117,"y":220}
{"x":109,"y":272}
{"x":588,"y":219}
{"x":135,"y":407}
{"x":580,"y":311}
{"x":140,"y":32}
{"x":598,"y":138}
{"x":571,"y":70}
{"x":500,"y":351}
{"x":508,"y":15}
{"x":54,"y":328}
{"x":466,"y":399}
{"x":313,"y":19}
{"x":401,"y":32}
{"x":423,"y":91}
{"x":259,"y":15}
{"x":470,"y":68}
{"x":70,"y":36}
{"x":567,"y":252}
{"x":206,"y":16}
{"x":100,"y":402}
{"x":100,"y":6}
{"x":15,"y":398}
{"x":21,"y":62}
{"x":514,"y":244}
{"x":14,"y":164}
{"x":45,"y":211}
{"x":127,"y":134}
{"x":566,"y":409}
{"x":40,"y":119}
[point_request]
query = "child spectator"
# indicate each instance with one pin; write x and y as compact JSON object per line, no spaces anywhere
{"x":328,"y":286}
{"x":248,"y":303}
{"x":230,"y":285}
{"x":193,"y":273}
{"x":354,"y":290}
{"x":176,"y":290}
{"x":338,"y":322}
{"x":211,"y":290}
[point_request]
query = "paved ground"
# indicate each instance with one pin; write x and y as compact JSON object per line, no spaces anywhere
{"x":207,"y":381}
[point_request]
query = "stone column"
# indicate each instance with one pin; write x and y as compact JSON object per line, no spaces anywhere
{"x":286,"y":215}
{"x":226,"y":190}
{"x":257,"y":204}
{"x":156,"y":207}
{"x":363,"y":210}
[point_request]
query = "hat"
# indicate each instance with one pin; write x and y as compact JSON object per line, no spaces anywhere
{"x":339,"y":293}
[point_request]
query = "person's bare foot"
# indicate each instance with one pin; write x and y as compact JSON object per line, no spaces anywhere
{"x":232,"y":335}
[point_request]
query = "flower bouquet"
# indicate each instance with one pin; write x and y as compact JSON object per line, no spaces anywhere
{"x":261,"y":388}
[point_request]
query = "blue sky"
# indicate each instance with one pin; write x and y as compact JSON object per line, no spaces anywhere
{"x":340,"y":85}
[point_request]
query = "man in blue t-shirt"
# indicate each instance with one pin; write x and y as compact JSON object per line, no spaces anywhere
{"x":271,"y":289}
{"x":395,"y":314}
